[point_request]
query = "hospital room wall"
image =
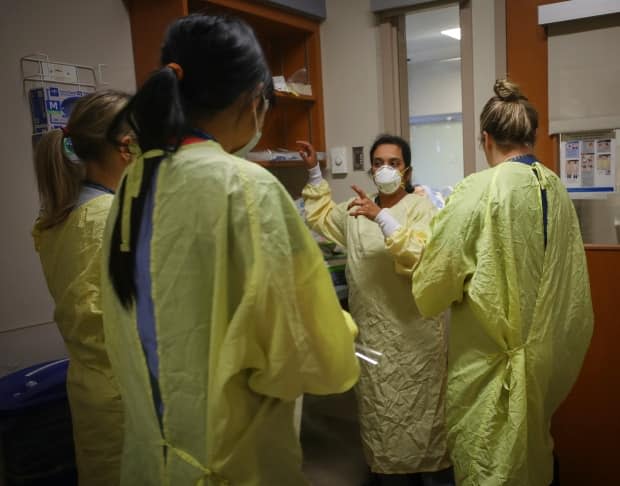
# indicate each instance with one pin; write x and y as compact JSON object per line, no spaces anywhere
{"x":352,"y":89}
{"x":351,"y":92}
{"x":92,"y":32}
{"x":89,"y":32}
{"x":351,"y":85}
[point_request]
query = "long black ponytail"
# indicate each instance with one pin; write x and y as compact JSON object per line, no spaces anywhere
{"x":208,"y":62}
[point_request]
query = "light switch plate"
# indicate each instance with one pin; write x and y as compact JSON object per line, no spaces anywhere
{"x":358,"y":158}
{"x":338,"y":159}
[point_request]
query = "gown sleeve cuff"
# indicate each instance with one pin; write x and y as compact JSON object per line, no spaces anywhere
{"x":387,"y":223}
{"x":315,"y":175}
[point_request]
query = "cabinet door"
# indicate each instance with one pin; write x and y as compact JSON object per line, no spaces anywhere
{"x":290,"y":42}
{"x":149,"y":20}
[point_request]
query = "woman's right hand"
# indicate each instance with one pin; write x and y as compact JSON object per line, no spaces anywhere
{"x":308,"y":154}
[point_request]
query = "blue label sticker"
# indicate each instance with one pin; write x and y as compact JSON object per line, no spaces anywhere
{"x":52,"y":105}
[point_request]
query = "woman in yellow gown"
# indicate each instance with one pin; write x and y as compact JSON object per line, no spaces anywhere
{"x":400,"y":401}
{"x":75,"y":199}
{"x":218,"y":306}
{"x":506,"y":254}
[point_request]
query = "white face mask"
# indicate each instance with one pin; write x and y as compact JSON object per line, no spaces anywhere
{"x":247,"y":148}
{"x":388,"y":179}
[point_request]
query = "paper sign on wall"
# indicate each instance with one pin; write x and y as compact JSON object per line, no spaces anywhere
{"x":588,"y":162}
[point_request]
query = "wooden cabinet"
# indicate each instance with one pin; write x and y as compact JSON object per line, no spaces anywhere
{"x":290,"y":42}
{"x":586,"y":426}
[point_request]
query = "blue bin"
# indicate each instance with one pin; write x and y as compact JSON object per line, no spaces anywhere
{"x":36,"y":439}
{"x":36,"y":385}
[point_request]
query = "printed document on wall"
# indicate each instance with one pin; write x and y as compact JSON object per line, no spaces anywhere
{"x":588,"y":163}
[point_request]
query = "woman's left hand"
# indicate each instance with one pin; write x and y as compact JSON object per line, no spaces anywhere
{"x":364,"y":206}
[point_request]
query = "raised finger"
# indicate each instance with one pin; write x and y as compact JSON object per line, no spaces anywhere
{"x":360,"y":192}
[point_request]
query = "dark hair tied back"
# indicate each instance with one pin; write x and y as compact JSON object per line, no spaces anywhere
{"x":221,"y":61}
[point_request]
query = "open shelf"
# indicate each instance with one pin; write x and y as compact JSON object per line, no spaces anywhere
{"x":282,"y":96}
{"x":283,"y":164}
{"x":289,"y":41}
{"x":286,"y":164}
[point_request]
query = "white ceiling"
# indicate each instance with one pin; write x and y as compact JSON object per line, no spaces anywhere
{"x":424,"y":39}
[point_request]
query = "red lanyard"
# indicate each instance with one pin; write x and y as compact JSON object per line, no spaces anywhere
{"x":197,"y":136}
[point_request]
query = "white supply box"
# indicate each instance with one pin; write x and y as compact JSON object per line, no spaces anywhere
{"x":51,"y":106}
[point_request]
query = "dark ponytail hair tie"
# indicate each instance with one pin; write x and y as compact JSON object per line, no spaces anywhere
{"x":178,"y":70}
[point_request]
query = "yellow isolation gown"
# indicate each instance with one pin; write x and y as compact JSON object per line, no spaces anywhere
{"x":70,"y":254}
{"x":246,"y":321}
{"x":521,"y":318}
{"x":401,"y":401}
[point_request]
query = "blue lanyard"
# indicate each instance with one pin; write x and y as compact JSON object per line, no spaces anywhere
{"x":529,"y":159}
{"x":100,"y":187}
{"x":200,"y":134}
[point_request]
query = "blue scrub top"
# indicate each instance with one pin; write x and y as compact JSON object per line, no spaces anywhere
{"x":144,"y":301}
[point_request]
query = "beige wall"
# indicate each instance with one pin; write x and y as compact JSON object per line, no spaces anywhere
{"x":351,"y":90}
{"x":351,"y":85}
{"x":94,"y":31}
{"x":80,"y":31}
{"x":352,"y":78}
{"x":489,"y":61}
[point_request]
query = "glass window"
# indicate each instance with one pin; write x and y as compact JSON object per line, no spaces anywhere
{"x":435,"y":112}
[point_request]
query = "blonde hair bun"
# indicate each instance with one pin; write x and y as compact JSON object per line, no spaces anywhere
{"x":508,"y":91}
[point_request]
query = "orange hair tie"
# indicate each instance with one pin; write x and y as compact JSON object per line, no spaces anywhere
{"x":178,"y":70}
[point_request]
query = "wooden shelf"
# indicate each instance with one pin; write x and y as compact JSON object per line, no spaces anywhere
{"x":289,"y":41}
{"x":281,"y":96}
{"x":286,"y":164}
{"x":282,"y":164}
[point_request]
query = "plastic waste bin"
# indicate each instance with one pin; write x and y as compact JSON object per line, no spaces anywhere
{"x":36,"y":441}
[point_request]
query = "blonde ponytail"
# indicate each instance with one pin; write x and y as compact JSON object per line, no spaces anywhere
{"x":58,"y":178}
{"x":508,"y":91}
